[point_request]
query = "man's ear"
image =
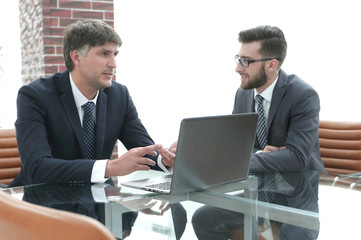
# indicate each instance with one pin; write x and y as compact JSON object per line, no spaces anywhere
{"x":75,"y":57}
{"x":272,"y":65}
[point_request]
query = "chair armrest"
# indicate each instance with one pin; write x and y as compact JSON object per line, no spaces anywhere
{"x":354,"y":177}
{"x":2,"y":186}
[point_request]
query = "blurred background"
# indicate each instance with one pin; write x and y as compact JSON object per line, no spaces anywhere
{"x":177,"y":57}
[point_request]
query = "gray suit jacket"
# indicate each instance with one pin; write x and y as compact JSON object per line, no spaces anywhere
{"x":292,"y":122}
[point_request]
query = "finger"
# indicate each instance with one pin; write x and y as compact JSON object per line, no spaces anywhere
{"x":168,"y":162}
{"x":173,"y":150}
{"x":146,"y":161}
{"x":167,"y":154}
{"x":173,"y":147}
{"x":142,"y":167}
{"x":149,"y":150}
{"x":153,"y":153}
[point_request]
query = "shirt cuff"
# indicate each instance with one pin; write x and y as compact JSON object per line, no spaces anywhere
{"x":161,"y":165}
{"x":98,"y":172}
{"x":98,"y":192}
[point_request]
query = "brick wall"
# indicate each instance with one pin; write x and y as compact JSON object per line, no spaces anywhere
{"x":42,"y":23}
{"x":32,"y":43}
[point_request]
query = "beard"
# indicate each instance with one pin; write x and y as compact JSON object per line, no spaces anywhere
{"x":256,"y":81}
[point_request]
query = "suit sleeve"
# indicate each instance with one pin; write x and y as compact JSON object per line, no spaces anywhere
{"x":297,"y":129}
{"x":133,"y":133}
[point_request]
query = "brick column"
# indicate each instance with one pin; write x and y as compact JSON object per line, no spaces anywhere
{"x":42,"y":23}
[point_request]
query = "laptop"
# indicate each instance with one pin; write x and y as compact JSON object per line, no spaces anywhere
{"x":211,"y":151}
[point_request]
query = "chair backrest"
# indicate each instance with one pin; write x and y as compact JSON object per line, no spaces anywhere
{"x":23,"y":220}
{"x":10,"y":163}
{"x":340,"y":146}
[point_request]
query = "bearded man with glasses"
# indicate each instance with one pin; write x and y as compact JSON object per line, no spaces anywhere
{"x":290,"y":105}
{"x":286,"y":141}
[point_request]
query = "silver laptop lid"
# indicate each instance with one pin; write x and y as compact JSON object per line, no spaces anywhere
{"x":213,"y":150}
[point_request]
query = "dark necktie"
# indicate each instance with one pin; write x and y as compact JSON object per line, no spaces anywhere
{"x":261,"y":127}
{"x":266,"y":193}
{"x":87,"y":204}
{"x":89,"y":130}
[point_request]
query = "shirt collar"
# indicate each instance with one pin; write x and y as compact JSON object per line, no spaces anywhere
{"x":79,"y":98}
{"x":267,"y":93}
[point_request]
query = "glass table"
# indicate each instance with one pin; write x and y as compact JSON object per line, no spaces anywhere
{"x":296,"y":205}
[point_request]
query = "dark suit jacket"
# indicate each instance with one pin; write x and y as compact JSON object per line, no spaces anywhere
{"x":49,"y":133}
{"x":292,"y":122}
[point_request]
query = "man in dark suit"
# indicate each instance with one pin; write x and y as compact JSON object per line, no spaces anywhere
{"x":290,"y":105}
{"x":50,"y":116}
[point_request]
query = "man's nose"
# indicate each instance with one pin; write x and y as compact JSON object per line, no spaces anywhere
{"x":239,"y":68}
{"x":112,"y":62}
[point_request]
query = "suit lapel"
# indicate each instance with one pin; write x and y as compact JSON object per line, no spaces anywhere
{"x":277,"y":96}
{"x":101,"y":112}
{"x":68,"y":102}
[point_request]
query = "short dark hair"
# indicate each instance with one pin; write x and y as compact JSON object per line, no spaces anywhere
{"x":273,"y":41}
{"x":85,"y":34}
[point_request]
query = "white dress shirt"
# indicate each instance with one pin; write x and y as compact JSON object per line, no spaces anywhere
{"x":99,"y":166}
{"x":267,"y":98}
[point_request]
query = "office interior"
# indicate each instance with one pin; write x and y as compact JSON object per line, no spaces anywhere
{"x":177,"y":60}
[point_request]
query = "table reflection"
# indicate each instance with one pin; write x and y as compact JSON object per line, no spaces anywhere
{"x":297,"y":190}
{"x":272,"y":204}
{"x":75,"y":198}
{"x":84,"y":199}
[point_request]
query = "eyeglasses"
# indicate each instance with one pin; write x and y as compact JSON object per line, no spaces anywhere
{"x":246,"y":62}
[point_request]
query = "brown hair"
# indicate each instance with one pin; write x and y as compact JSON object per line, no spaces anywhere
{"x":85,"y":34}
{"x":273,"y":41}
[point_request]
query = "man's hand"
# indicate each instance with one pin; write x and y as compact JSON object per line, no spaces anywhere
{"x":269,"y":148}
{"x":131,"y":161}
{"x":168,"y":156}
{"x":164,"y":206}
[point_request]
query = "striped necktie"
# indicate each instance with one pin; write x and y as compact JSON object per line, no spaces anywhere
{"x":261,"y":127}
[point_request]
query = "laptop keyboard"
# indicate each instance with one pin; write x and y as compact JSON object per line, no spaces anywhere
{"x":162,"y":185}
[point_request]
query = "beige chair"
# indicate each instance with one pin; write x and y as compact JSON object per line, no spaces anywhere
{"x":23,"y":220}
{"x":10,"y":163}
{"x":340,"y":146}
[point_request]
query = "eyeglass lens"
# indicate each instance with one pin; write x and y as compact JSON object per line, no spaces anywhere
{"x":242,"y":61}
